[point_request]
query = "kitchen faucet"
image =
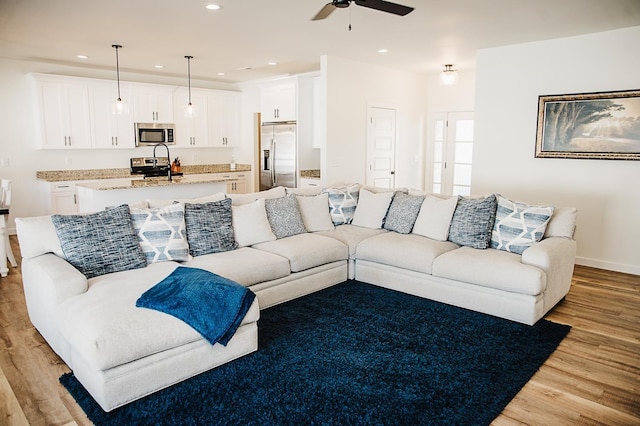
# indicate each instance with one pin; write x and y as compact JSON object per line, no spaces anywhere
{"x":155,"y":161}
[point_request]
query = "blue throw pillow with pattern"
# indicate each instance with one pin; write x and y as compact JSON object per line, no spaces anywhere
{"x":209,"y":228}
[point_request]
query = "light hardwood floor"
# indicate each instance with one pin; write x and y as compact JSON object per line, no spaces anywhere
{"x":593,"y":378}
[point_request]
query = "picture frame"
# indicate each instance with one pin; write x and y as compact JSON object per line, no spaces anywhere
{"x":601,"y":125}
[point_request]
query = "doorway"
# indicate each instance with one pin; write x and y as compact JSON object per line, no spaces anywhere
{"x":381,"y":147}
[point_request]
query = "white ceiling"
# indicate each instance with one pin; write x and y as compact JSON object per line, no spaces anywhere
{"x":251,"y":33}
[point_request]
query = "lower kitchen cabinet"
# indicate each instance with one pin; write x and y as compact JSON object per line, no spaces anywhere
{"x":240,"y":186}
{"x":63,"y":198}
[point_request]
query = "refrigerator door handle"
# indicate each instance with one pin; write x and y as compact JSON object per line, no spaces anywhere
{"x":273,"y":163}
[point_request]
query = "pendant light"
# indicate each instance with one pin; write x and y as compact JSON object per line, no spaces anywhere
{"x":448,"y":75}
{"x":190,"y":110}
{"x":118,"y":107}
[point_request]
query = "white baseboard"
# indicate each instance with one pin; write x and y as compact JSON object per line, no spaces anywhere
{"x":610,"y":266}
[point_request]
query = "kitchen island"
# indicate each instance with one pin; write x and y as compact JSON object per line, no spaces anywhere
{"x":94,"y":190}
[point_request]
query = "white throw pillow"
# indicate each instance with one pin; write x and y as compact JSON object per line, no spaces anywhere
{"x":250,"y":223}
{"x":434,"y":218}
{"x":37,"y":236}
{"x":315,"y":212}
{"x":372,"y":209}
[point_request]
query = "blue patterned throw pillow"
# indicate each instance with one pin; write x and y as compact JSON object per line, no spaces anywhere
{"x":343,"y":201}
{"x":209,"y":227}
{"x":518,"y":226}
{"x":472,"y":222}
{"x":161,"y":232}
{"x":100,"y":243}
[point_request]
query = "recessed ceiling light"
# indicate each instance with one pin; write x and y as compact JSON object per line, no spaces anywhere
{"x":245,"y":68}
{"x":82,"y":57}
{"x":212,"y":7}
{"x":159,"y":66}
{"x":220,"y":73}
{"x":382,"y":50}
{"x":273,"y":63}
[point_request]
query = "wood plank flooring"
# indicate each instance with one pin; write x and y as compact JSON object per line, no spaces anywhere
{"x":593,"y":378}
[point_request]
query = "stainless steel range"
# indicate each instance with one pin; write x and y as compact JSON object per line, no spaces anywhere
{"x":151,"y":167}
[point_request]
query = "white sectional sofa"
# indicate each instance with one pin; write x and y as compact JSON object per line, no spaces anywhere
{"x":283,"y":246}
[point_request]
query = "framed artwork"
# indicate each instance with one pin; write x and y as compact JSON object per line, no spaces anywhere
{"x":602,"y":125}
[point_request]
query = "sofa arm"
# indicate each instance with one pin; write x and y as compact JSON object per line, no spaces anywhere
{"x":51,"y":277}
{"x":556,"y":257}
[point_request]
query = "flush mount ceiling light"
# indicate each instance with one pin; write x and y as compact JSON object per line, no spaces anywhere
{"x":190,"y":110}
{"x":118,"y":107}
{"x":448,"y":75}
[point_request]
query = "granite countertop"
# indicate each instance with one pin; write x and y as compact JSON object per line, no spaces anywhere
{"x":95,"y":174}
{"x":131,"y":183}
{"x":310,"y":174}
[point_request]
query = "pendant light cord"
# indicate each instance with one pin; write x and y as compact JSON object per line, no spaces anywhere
{"x":117,"y":46}
{"x":189,"y":74}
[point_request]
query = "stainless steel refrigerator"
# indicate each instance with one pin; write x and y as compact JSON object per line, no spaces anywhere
{"x":278,"y":155}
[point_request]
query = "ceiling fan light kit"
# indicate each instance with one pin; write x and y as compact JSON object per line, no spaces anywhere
{"x":381,"y":5}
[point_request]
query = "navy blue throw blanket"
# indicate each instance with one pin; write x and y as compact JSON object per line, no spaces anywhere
{"x":213,"y":305}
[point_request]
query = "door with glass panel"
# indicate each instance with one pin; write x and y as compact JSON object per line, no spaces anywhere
{"x":451,"y":153}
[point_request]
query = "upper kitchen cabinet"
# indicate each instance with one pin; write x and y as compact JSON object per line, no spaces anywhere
{"x":224,"y":122}
{"x":191,"y":132}
{"x":64,"y":112}
{"x":278,"y":101}
{"x":152,"y":103}
{"x":110,"y":130}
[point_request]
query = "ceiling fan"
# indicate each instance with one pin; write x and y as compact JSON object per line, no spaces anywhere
{"x":384,"y":6}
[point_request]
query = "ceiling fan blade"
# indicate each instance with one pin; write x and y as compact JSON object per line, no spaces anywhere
{"x":385,"y":6}
{"x":324,"y":12}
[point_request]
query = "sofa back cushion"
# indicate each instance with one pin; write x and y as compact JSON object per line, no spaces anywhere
{"x":238,"y":199}
{"x":518,"y":225}
{"x":100,"y":243}
{"x":153,"y":203}
{"x":473,"y":221}
{"x":562,"y":223}
{"x":209,"y":227}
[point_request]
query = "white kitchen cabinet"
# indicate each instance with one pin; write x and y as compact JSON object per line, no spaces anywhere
{"x":224,"y":129}
{"x":191,"y":132}
{"x":152,"y":103}
{"x":309,"y":183}
{"x":240,"y":186}
{"x":110,"y":130}
{"x":64,"y":110}
{"x":63,"y":198}
{"x":278,"y":101}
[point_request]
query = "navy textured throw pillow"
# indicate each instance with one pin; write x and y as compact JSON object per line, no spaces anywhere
{"x":473,"y":221}
{"x":209,"y":228}
{"x":100,"y":243}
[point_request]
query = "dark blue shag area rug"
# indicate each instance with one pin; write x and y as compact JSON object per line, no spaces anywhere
{"x":355,"y":354}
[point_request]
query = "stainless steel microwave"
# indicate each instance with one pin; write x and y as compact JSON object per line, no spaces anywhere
{"x":154,"y":133}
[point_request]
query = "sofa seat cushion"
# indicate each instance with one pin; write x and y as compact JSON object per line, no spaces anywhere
{"x":491,"y":268}
{"x":351,"y":236}
{"x":245,"y":265}
{"x":106,"y":329}
{"x":407,"y":251}
{"x":306,"y":251}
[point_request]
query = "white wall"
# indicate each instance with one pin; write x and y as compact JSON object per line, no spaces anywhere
{"x":352,"y":87}
{"x":605,"y":192}
{"x":20,"y":157}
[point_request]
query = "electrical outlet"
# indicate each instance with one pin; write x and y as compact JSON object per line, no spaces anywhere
{"x":68,"y":161}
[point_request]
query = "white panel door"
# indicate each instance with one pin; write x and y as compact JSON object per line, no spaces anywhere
{"x":381,"y":144}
